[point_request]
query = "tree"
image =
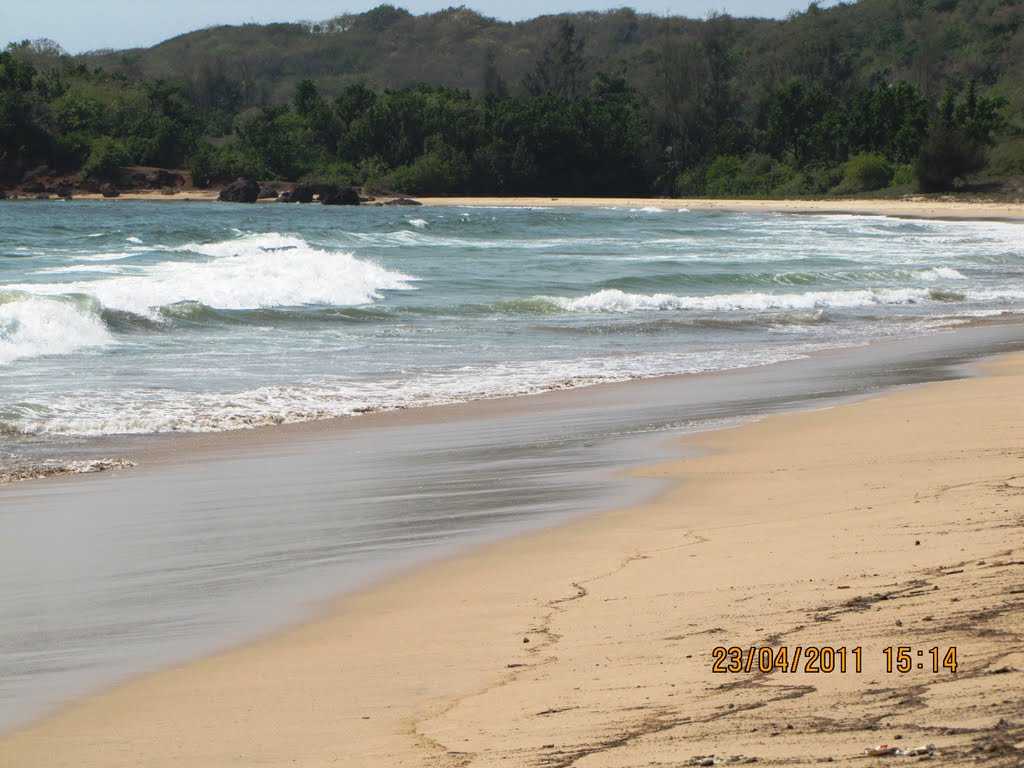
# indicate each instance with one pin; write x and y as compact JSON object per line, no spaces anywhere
{"x":958,"y":138}
{"x":559,"y":72}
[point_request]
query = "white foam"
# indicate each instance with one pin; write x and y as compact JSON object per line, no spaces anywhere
{"x":418,"y":223}
{"x":148,"y":411}
{"x":248,"y":273}
{"x":613,"y":300}
{"x":941,"y":273}
{"x":108,"y":269}
{"x":135,"y":240}
{"x":34,"y":326}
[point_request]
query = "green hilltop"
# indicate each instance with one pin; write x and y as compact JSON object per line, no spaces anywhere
{"x":899,"y":94}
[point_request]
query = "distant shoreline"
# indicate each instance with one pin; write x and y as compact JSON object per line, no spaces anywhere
{"x":925,"y":208}
{"x":916,"y":207}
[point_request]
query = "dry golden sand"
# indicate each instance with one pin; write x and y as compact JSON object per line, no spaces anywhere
{"x":922,"y":207}
{"x":898,"y":520}
{"x":917,"y":207}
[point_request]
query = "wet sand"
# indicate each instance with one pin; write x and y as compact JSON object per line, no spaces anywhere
{"x":890,"y":521}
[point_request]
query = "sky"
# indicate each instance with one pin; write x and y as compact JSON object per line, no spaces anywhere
{"x":83,"y":25}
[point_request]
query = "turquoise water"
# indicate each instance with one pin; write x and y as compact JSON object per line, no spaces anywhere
{"x":132,"y":318}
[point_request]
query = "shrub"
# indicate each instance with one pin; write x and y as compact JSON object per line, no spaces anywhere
{"x":724,"y":177}
{"x":338,"y":174}
{"x":438,"y":171}
{"x":209,"y":165}
{"x":690,"y":183}
{"x":755,"y":175}
{"x":865,"y":172}
{"x":904,"y":176}
{"x":948,"y":157}
{"x":1007,"y":159}
{"x":106,"y":156}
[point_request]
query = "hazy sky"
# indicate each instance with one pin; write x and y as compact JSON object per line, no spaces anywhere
{"x":81,"y":25}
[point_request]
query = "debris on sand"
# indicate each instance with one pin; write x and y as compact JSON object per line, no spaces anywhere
{"x":714,"y":760}
{"x":887,"y":750}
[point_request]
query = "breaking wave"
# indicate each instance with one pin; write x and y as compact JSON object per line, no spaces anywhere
{"x":613,"y":300}
{"x":251,"y":272}
{"x":36,"y":326}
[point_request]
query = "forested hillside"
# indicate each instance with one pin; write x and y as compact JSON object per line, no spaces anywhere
{"x":862,"y":96}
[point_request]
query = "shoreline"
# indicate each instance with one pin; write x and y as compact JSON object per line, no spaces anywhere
{"x":470,"y":675}
{"x":132,"y":452}
{"x":916,"y":207}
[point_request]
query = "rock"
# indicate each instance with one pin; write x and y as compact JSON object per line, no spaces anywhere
{"x":34,"y":187}
{"x":268,"y":193}
{"x":3,"y":195}
{"x":240,"y":191}
{"x":162,"y":179}
{"x":150,"y":178}
{"x":65,"y":191}
{"x":34,"y":174}
{"x":285,"y":197}
{"x":43,"y":196}
{"x":109,"y":190}
{"x":403,"y":201}
{"x":339,"y":196}
{"x":303,"y":193}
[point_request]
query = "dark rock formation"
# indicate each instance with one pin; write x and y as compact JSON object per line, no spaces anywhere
{"x":268,"y":193}
{"x":303,"y":194}
{"x":339,"y":196}
{"x":240,"y":191}
{"x":109,"y":190}
{"x":35,"y":174}
{"x":403,"y":201}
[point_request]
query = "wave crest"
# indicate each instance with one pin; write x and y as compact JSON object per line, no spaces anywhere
{"x":35,"y":326}
{"x":250,"y":272}
{"x":613,"y":300}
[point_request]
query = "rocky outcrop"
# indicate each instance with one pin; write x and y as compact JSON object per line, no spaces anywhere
{"x":240,"y":191}
{"x":109,"y":190}
{"x":150,"y":178}
{"x":339,"y":196}
{"x":403,"y":201}
{"x":268,"y":192}
{"x":303,"y":193}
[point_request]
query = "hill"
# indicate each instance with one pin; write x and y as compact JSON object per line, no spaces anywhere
{"x":848,"y":98}
{"x":929,"y":43}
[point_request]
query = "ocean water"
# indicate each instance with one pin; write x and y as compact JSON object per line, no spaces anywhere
{"x":136,"y":318}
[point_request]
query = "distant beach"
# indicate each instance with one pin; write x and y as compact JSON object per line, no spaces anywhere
{"x":930,"y":207}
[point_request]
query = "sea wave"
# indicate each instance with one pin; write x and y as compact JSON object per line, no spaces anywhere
{"x":36,"y":326}
{"x":144,"y":411}
{"x":613,"y":300}
{"x":250,"y":272}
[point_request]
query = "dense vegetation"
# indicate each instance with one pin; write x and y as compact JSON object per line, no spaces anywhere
{"x":856,"y":98}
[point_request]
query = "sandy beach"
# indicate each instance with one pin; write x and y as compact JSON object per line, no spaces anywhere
{"x":925,"y":207}
{"x":895,"y":521}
